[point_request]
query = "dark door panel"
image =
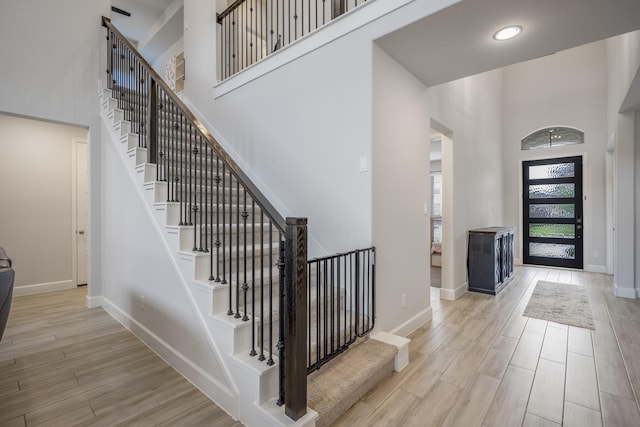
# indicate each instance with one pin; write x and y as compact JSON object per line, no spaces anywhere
{"x":552,"y":210}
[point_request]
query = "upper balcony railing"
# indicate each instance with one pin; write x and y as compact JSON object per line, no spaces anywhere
{"x":250,"y":30}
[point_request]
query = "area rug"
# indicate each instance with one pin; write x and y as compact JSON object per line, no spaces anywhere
{"x":560,"y":303}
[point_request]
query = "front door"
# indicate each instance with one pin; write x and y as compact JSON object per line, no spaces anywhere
{"x":552,"y":209}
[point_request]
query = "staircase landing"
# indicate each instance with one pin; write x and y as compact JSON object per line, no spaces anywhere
{"x":341,"y":383}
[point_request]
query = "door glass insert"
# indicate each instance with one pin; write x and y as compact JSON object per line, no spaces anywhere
{"x":552,"y":211}
{"x":552,"y":250}
{"x":554,"y":231}
{"x":552,"y":191}
{"x":559,"y":170}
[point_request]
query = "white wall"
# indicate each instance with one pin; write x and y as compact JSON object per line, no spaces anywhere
{"x":568,"y":88}
{"x":137,"y":265}
{"x":160,"y":63}
{"x":52,"y":62}
{"x":400,"y":168}
{"x":623,"y":61}
{"x":301,"y":139}
{"x":35,"y":208}
{"x":472,"y":109}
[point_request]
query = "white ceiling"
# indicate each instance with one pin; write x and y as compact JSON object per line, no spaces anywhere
{"x":144,"y":13}
{"x":457,"y":41}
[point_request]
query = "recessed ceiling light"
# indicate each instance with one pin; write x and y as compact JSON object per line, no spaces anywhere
{"x":508,"y":32}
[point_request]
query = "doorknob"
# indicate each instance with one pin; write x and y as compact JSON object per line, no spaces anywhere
{"x":81,"y":232}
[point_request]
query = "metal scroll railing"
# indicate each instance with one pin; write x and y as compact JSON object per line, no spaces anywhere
{"x":340,"y":303}
{"x":250,"y":30}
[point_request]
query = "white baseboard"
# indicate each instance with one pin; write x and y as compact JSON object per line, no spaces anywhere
{"x":210,"y":386}
{"x":92,"y":302}
{"x":42,"y":287}
{"x":595,"y":268}
{"x":621,"y":291}
{"x":414,"y":323}
{"x":454,"y":294}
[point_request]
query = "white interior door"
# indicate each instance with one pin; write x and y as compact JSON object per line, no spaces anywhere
{"x":82,"y":193}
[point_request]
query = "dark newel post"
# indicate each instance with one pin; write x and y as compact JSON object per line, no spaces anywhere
{"x":295,"y":348}
{"x":152,"y":119}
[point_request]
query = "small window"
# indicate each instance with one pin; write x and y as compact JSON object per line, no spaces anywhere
{"x":552,"y":137}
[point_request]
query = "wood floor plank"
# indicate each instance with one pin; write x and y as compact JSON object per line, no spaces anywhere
{"x":60,"y":417}
{"x":603,"y":335}
{"x":497,"y":358}
{"x":579,"y":416}
{"x":433,"y":410}
{"x":554,"y":345}
{"x":64,"y":357}
{"x":514,"y":326}
{"x":536,"y":325}
{"x":531,"y":420}
{"x":466,"y":365}
{"x":618,"y":411}
{"x":547,"y":393}
{"x":355,"y":416}
{"x":612,"y":374}
{"x":624,"y":330}
{"x":14,"y":422}
{"x":394,"y":411}
{"x":528,"y":350}
{"x":421,"y":382}
{"x":580,"y":341}
{"x":510,"y":402}
{"x":473,"y":402}
{"x":582,"y":384}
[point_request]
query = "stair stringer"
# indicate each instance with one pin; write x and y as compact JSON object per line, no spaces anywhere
{"x":254,"y":383}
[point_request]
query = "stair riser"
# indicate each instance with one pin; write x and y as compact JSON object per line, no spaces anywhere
{"x":231,"y":211}
{"x":232,"y":265}
{"x":186,"y":238}
{"x":182,"y":191}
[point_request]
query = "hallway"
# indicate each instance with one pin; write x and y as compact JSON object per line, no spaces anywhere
{"x":62,"y":364}
{"x":480,"y":362}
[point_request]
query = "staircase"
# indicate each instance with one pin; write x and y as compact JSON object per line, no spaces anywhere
{"x":241,"y":261}
{"x":242,"y":329}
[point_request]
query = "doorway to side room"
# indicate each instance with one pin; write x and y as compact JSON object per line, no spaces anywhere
{"x":440,"y":211}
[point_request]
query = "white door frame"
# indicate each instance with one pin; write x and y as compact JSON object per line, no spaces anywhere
{"x":74,"y":214}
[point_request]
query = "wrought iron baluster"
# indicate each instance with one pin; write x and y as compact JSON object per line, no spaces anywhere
{"x":237,"y":225}
{"x":262,"y":317}
{"x":270,"y":361}
{"x":203,"y":181}
{"x":216,"y":179}
{"x":207,"y":194}
{"x":253,"y":279}
{"x":245,"y":285}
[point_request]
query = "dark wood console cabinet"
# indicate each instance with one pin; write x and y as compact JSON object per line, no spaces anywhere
{"x":490,"y":259}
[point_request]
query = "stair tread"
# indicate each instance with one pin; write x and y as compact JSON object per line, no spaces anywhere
{"x":340,"y":384}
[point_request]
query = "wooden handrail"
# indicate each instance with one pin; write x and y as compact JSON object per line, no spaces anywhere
{"x":269,"y":210}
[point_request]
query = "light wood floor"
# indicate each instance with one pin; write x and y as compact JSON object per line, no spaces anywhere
{"x":62,"y":364}
{"x":479,"y":362}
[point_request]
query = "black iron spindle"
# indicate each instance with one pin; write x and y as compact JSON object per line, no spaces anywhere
{"x":216,"y":243}
{"x":262,"y":316}
{"x":245,"y":285}
{"x":253,"y":279}
{"x":237,"y":207}
{"x":270,"y":361}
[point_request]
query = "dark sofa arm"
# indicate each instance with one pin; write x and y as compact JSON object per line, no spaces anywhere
{"x":7,"y":276}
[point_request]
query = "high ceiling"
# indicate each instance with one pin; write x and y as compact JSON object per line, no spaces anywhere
{"x":457,"y":41}
{"x":144,"y":13}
